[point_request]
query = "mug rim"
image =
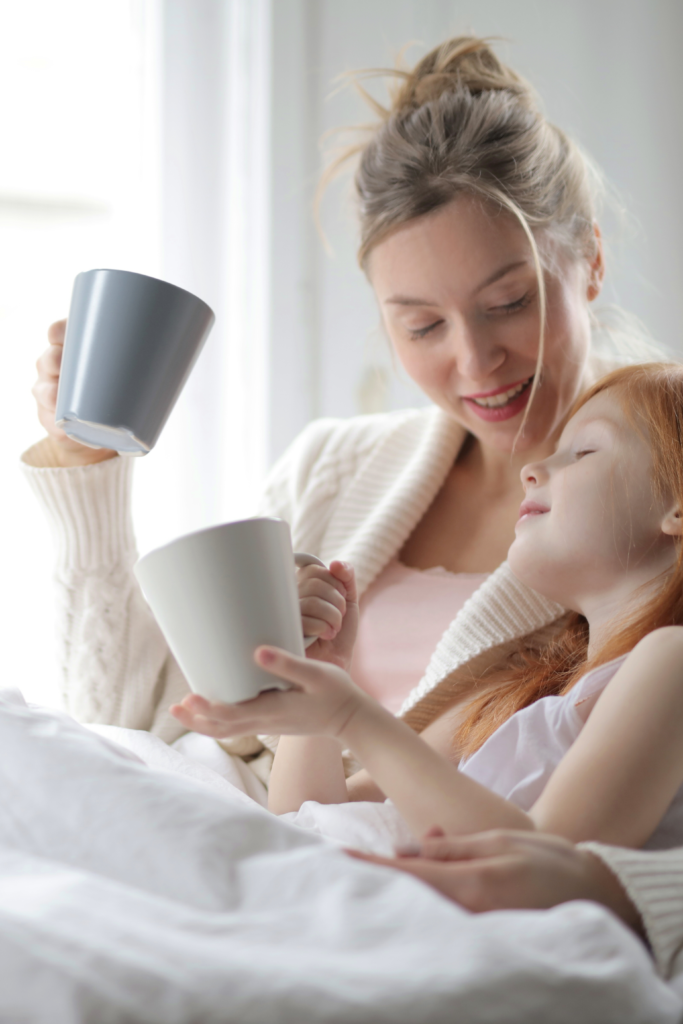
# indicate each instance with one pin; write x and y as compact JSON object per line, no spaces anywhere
{"x":147,"y":277}
{"x":209,"y":529}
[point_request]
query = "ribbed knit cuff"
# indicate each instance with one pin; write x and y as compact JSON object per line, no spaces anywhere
{"x":89,"y":510}
{"x":653,"y":882}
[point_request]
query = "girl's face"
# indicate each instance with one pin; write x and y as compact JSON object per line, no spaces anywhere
{"x":591,"y":529}
{"x":458,"y":295}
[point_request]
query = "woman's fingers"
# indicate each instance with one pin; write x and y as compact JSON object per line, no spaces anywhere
{"x":497,"y":842}
{"x":56,"y":332}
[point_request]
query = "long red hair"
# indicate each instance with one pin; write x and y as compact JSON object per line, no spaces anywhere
{"x":651,"y":396}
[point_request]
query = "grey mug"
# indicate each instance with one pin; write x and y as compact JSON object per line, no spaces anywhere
{"x":131,"y":342}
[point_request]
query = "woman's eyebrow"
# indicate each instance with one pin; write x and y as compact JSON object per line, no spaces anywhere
{"x":408,"y":300}
{"x":501,"y":272}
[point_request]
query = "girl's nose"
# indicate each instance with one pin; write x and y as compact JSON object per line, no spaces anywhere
{"x":533,"y":474}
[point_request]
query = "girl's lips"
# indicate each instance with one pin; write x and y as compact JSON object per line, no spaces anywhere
{"x":531,"y":508}
{"x":495,"y":414}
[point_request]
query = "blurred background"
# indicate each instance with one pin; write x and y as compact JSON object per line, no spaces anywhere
{"x":180,"y":138}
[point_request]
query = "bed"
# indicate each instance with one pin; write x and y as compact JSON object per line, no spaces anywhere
{"x":138,"y":884}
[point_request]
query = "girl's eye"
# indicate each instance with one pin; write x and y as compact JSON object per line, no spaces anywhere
{"x":512,"y":307}
{"x":421,"y":332}
{"x":585,"y":451}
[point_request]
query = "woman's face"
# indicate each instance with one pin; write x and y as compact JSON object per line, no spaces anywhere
{"x":458,"y":295}
{"x":591,"y":528}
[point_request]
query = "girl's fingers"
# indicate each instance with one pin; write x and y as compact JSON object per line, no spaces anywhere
{"x":322,"y":590}
{"x":287,"y":666}
{"x":316,"y":610}
{"x":345,"y":574}
{"x":318,"y":628}
{"x":317,"y":579}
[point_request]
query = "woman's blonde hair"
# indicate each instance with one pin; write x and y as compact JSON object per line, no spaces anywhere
{"x":463,"y":123}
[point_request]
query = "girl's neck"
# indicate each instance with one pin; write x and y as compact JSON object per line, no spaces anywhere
{"x":609,"y":611}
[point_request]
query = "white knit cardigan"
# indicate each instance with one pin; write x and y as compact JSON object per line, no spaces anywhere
{"x":353,"y":490}
{"x":350,"y":489}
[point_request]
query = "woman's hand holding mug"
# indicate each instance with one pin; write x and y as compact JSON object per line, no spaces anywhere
{"x":67,"y":452}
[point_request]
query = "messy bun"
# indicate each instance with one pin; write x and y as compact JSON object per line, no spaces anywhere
{"x":462,"y":122}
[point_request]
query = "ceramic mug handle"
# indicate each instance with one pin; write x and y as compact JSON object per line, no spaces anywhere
{"x":302,"y":558}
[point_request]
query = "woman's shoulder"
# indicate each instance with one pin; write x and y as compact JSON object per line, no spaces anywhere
{"x":364,"y":432}
{"x":327,"y":442}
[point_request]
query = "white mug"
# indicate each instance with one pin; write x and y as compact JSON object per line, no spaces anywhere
{"x":220,"y":593}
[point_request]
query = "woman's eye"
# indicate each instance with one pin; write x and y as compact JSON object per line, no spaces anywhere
{"x":512,"y":307}
{"x":421,"y":332}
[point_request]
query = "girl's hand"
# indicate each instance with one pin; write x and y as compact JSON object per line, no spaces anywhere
{"x":67,"y":451}
{"x":322,"y":701}
{"x":329,"y":610}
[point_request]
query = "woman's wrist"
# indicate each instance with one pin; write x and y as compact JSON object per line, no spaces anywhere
{"x":78,"y":455}
{"x":606,"y":888}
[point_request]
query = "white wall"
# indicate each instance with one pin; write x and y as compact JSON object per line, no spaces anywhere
{"x":608,"y":73}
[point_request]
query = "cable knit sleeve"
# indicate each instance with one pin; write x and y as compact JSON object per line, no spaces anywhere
{"x":653,"y":881}
{"x":115,"y":665}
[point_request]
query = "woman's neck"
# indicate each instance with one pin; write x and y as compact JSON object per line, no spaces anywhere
{"x":498,"y":472}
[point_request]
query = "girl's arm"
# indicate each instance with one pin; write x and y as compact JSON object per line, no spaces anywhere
{"x":306,"y":768}
{"x":311,"y":767}
{"x":617,"y":780}
{"x":427,"y":789}
{"x":614,"y":785}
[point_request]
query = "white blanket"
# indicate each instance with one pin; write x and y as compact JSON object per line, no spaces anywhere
{"x":131,"y":894}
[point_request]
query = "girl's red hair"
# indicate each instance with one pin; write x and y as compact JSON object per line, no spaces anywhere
{"x":651,"y":396}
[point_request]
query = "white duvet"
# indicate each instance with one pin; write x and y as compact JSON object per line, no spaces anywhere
{"x":131,"y":893}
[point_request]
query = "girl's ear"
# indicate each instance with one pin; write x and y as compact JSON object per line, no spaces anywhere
{"x":672,"y":524}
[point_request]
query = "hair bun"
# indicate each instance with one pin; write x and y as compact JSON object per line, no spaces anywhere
{"x":465,"y":62}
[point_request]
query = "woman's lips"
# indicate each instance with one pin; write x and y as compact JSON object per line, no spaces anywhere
{"x":528,"y":509}
{"x":497,"y":413}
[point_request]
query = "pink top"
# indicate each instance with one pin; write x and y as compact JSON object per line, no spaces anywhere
{"x":403,"y":615}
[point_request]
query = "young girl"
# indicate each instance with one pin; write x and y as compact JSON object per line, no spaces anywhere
{"x":583,"y":738}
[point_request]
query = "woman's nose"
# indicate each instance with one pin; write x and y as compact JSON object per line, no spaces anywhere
{"x":476,"y":356}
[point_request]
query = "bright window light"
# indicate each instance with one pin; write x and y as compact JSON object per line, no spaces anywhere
{"x":77,"y":191}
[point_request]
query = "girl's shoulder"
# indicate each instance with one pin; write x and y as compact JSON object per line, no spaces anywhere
{"x":658,"y":651}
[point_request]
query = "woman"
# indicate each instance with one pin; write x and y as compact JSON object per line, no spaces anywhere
{"x":408,"y":491}
{"x":478,"y":235}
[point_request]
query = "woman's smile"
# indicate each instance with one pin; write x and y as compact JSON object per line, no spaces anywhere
{"x":502,"y":403}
